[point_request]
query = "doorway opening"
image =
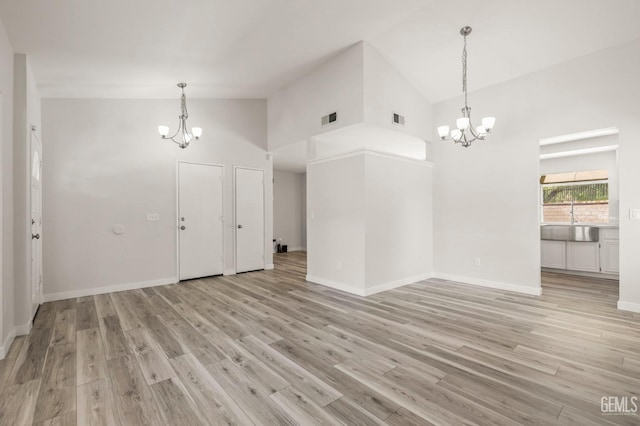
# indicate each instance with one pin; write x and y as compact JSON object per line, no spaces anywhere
{"x":579,"y":210}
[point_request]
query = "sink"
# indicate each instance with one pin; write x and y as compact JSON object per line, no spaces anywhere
{"x":588,"y":233}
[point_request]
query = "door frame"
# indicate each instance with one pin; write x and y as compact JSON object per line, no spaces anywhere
{"x":235,"y":218}
{"x":177,"y":217}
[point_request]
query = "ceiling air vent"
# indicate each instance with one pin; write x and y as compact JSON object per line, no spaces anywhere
{"x":329,"y":118}
{"x":397,"y":119}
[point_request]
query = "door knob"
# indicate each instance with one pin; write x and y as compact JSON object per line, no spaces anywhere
{"x":239,"y":226}
{"x":35,"y":237}
{"x":183,"y":227}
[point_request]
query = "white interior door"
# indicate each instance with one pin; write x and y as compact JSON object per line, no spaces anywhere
{"x":249,"y":185}
{"x":36,"y":223}
{"x":200,"y":220}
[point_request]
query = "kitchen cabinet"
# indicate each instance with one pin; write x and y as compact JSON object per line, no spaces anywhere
{"x":554,"y":254}
{"x":610,"y":251}
{"x":582,"y":256}
{"x":601,"y":257}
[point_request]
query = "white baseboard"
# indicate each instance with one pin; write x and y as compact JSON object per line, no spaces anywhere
{"x":534,"y":291}
{"x":229,"y":272}
{"x":269,"y":267}
{"x":628,"y":306}
{"x":395,"y":284}
{"x":108,"y":289}
{"x":370,"y":290}
{"x":336,"y":285}
{"x":6,"y":344}
{"x":603,"y":275}
{"x":296,"y":248}
{"x":24,"y":329}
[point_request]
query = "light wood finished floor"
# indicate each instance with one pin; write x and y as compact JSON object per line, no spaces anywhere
{"x":267,"y":348}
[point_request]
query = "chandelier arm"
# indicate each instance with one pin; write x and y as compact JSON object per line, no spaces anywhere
{"x":175,"y":134}
{"x":472,"y":131}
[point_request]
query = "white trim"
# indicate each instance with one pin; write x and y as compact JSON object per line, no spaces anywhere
{"x":269,"y":267}
{"x":534,"y":291}
{"x":6,"y":345}
{"x":579,"y":136}
{"x":336,"y":285}
{"x":371,"y":290}
{"x":24,"y":329}
{"x":603,"y":275}
{"x":229,"y":272}
{"x":575,"y":152}
{"x":108,"y":289}
{"x":397,"y":283}
{"x":296,"y":248}
{"x":628,"y":306}
{"x":364,"y":151}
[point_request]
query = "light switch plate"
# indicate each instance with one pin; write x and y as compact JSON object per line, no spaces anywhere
{"x":153,"y":217}
{"x":634,"y":214}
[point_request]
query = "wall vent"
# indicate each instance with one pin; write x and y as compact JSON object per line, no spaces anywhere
{"x":397,"y":119}
{"x":329,"y":118}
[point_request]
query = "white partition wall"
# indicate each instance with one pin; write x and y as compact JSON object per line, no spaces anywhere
{"x":369,"y":222}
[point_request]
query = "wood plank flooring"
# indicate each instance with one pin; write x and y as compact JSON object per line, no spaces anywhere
{"x":267,"y":348}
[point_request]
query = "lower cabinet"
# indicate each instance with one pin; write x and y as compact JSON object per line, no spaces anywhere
{"x":610,"y":256}
{"x":554,"y":254}
{"x":583,"y":256}
{"x":602,"y":257}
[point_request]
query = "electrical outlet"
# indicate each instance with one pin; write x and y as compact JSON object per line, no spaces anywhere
{"x":634,"y":214}
{"x":339,"y":265}
{"x":476,"y":261}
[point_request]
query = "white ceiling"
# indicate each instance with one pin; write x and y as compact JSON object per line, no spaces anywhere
{"x":251,"y":48}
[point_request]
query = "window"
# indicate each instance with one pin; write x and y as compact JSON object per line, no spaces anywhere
{"x":575,"y":197}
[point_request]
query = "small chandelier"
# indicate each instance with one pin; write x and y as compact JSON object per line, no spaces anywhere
{"x":465,"y":133}
{"x":184,"y":137}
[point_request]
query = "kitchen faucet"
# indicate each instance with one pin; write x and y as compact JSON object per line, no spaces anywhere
{"x":573,"y":219}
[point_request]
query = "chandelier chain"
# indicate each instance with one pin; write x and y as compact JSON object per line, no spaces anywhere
{"x":464,"y":71}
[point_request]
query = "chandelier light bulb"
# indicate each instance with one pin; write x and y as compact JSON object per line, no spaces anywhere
{"x":488,"y":123}
{"x":197,"y":132}
{"x":163,"y":130}
{"x":443,"y":131}
{"x":456,"y":134}
{"x":463,"y":123}
{"x":480,"y":130}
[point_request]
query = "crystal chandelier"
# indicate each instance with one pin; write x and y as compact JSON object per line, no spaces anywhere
{"x":465,"y":133}
{"x":183,"y":135}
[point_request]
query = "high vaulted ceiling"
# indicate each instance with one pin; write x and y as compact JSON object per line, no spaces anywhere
{"x":251,"y":48}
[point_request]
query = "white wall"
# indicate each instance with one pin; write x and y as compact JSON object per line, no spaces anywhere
{"x":365,"y":90}
{"x":369,"y":222}
{"x":26,"y":113}
{"x":289,"y":209}
{"x":485,"y":197}
{"x":336,"y":222}
{"x":296,"y":110}
{"x":399,"y":220}
{"x":387,"y":91}
{"x":106,"y":165}
{"x":7,"y":327}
